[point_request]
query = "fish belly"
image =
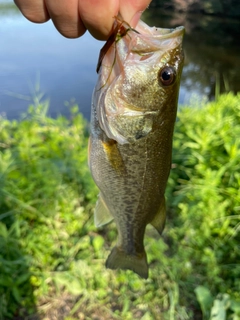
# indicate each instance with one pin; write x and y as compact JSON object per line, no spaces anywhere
{"x":132,"y":180}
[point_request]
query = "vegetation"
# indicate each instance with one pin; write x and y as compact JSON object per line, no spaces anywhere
{"x":225,"y":8}
{"x":7,"y":7}
{"x":52,"y":257}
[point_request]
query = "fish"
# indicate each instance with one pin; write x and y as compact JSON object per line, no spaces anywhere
{"x":133,"y":112}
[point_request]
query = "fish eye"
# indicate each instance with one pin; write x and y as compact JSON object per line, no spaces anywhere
{"x":167,"y":76}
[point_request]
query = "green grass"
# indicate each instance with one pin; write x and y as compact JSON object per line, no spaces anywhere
{"x":52,"y":257}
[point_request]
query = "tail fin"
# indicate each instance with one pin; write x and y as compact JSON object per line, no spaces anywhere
{"x":118,"y":259}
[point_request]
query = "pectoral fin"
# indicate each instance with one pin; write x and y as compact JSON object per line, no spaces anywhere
{"x":113,"y":155}
{"x":102,"y":215}
{"x":159,"y":220}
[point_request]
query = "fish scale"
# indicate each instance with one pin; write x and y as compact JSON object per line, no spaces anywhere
{"x":132,"y":122}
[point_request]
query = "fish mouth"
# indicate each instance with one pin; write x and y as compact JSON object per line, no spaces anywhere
{"x":173,"y":32}
{"x":151,"y":39}
{"x":160,"y":33}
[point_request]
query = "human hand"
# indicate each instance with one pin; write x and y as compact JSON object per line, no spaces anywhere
{"x":73,"y":17}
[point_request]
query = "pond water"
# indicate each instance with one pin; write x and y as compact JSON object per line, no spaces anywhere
{"x":36,"y":56}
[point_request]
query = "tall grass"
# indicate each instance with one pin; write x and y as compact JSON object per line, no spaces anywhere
{"x":52,"y":257}
{"x":204,"y":191}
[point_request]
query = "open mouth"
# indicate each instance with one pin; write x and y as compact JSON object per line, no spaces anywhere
{"x":143,"y":29}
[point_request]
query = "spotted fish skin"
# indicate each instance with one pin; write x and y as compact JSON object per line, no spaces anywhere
{"x":134,"y":109}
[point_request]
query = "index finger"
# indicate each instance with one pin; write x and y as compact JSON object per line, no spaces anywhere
{"x":34,"y":11}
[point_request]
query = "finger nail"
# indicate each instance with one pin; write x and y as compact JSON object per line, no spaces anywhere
{"x":135,"y":19}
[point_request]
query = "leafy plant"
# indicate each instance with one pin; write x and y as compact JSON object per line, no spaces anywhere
{"x":206,"y":197}
{"x":52,"y":257}
{"x":45,"y":198}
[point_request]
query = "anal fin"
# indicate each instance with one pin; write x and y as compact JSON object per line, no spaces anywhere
{"x":159,"y":220}
{"x":102,"y":215}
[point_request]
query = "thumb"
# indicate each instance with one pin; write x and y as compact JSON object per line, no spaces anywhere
{"x":131,"y":10}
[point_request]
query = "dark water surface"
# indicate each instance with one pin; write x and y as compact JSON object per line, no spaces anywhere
{"x":33,"y":55}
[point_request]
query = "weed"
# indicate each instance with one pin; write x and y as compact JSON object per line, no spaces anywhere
{"x":52,"y":257}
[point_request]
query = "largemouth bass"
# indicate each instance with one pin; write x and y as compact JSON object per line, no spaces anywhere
{"x":133,"y":114}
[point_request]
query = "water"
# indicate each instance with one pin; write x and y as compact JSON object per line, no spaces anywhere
{"x":212,"y":52}
{"x":33,"y":55}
